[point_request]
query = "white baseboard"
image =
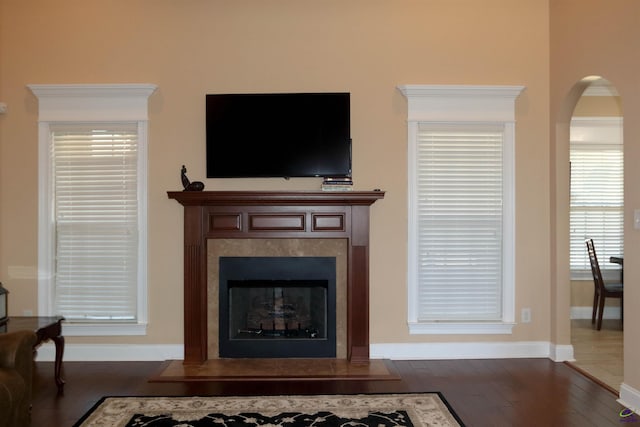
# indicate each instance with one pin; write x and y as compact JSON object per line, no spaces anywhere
{"x":395,"y":351}
{"x":112,"y":352}
{"x":475,"y":350}
{"x":630,"y":397}
{"x":561,"y":353}
{"x":610,"y":312}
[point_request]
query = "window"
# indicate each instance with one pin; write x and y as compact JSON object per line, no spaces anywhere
{"x":92,"y":221}
{"x":95,"y":217}
{"x":459,"y":214}
{"x":461,"y":144}
{"x":597,"y":194}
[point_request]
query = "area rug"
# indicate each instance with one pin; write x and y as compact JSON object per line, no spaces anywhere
{"x":371,"y":410}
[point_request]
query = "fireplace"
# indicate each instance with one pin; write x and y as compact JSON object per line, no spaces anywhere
{"x":264,"y":252}
{"x":277,"y":307}
{"x":230,"y":216}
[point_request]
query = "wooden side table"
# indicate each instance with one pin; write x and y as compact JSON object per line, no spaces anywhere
{"x":46,"y":328}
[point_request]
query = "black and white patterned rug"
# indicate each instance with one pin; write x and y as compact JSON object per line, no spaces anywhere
{"x":370,"y":410}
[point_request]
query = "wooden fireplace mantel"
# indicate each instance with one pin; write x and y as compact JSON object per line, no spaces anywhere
{"x":272,"y":214}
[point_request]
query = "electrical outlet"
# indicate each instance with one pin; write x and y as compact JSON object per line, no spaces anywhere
{"x":27,"y":312}
{"x":525,"y":316}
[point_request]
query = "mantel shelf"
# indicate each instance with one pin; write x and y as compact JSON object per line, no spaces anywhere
{"x":300,"y":198}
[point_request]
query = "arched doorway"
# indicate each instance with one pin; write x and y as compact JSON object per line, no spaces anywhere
{"x":596,"y":211}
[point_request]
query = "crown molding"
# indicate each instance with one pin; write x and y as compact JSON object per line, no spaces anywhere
{"x":459,"y":103}
{"x":92,"y":102}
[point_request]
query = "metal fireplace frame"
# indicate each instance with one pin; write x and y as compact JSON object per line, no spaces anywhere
{"x":273,"y":270}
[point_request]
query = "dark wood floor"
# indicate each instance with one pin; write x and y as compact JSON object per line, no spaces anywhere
{"x":512,"y":392}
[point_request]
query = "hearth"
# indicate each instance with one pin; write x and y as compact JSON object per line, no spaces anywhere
{"x":277,"y":307}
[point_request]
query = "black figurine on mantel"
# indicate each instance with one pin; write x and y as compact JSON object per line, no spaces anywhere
{"x":188,"y":185}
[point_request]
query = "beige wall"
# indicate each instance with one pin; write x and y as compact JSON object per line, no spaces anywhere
{"x":598,"y":106}
{"x":582,"y":295}
{"x":367,"y":47}
{"x":190,"y":48}
{"x":583,"y":44}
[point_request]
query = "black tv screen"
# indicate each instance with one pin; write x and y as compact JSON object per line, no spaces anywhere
{"x":278,"y":135}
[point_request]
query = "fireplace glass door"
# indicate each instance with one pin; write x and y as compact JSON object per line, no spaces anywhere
{"x":277,"y":307}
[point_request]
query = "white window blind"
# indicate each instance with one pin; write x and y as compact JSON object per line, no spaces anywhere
{"x":95,"y":190}
{"x":460,"y":222}
{"x":597,"y":202}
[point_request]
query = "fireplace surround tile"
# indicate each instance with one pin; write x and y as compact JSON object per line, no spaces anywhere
{"x":276,"y":248}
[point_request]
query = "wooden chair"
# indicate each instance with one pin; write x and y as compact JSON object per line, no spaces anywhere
{"x":602,"y":290}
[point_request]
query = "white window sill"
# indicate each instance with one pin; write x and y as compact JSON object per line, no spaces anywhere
{"x":608,"y":275}
{"x":103,"y":329}
{"x":442,"y":328}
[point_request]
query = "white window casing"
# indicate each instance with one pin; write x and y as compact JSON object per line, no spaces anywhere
{"x":103,"y":128}
{"x":461,"y":137}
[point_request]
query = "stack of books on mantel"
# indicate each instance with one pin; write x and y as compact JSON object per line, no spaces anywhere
{"x":342,"y":183}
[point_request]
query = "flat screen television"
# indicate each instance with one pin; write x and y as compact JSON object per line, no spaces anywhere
{"x":278,"y":135}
